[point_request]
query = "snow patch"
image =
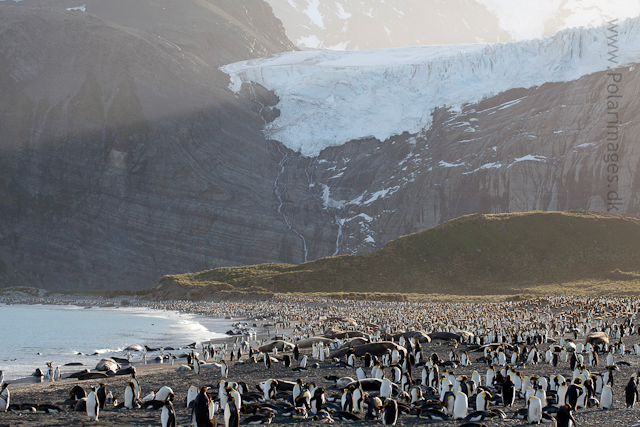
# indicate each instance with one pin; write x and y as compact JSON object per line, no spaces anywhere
{"x":342,"y":14}
{"x":327,"y":200}
{"x":380,"y":194}
{"x":530,"y":157}
{"x":386,"y":92}
{"x":586,"y":144}
{"x":80,"y":8}
{"x":493,"y":165}
{"x":449,"y":165}
{"x":312,"y":42}
{"x":314,"y":14}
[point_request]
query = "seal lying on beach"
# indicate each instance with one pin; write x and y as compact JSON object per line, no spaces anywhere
{"x":375,"y":349}
{"x":278,"y":344}
{"x":92,"y":376}
{"x":107,"y":364}
{"x":596,"y":338}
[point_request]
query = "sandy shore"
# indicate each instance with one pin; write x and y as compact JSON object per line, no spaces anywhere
{"x":298,"y":317}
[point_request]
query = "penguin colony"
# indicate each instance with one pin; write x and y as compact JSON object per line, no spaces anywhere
{"x":540,"y":361}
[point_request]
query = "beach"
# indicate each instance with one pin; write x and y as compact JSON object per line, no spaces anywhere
{"x":287,"y":316}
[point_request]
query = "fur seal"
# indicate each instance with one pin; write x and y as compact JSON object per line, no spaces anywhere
{"x":278,"y":344}
{"x":375,"y":349}
{"x":92,"y":376}
{"x":595,"y":338}
{"x":107,"y":364}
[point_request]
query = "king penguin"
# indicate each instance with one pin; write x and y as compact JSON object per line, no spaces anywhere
{"x":296,"y":352}
{"x":460,"y":406}
{"x":93,"y":405}
{"x":165,"y":393}
{"x":130,"y":396}
{"x":267,"y":361}
{"x":168,"y":415}
{"x":200,"y":411}
{"x":231,"y":414}
{"x":385,"y":388}
{"x":390,"y":412}
{"x":224,"y":370}
{"x":565,"y":417}
{"x":508,"y":392}
{"x":534,"y":410}
{"x":102,"y":395}
{"x":606,"y":398}
{"x":631,"y":392}
{"x":192,"y":393}
{"x":5,"y":398}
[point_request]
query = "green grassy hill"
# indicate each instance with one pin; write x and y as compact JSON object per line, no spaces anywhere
{"x":501,"y":254}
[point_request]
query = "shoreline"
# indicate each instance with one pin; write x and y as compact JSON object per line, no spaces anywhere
{"x":202,"y":314}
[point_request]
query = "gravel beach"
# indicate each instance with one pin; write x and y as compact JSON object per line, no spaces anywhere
{"x":292,"y":325}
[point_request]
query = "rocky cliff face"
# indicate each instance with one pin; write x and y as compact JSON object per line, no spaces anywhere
{"x":124,"y":156}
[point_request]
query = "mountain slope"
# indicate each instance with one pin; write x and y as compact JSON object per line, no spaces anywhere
{"x":372,"y":24}
{"x":123,"y":155}
{"x":471,"y":255}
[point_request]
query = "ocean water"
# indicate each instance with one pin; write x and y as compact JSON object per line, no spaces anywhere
{"x":32,"y":335}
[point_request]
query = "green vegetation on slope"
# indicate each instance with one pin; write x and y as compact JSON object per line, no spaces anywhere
{"x":472,"y":255}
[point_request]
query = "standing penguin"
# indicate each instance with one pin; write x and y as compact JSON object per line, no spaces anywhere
{"x":318,"y":400}
{"x":631,"y":392}
{"x":200,"y":411}
{"x":5,"y":398}
{"x":565,"y":417}
{"x":134,"y":380}
{"x":460,"y":406}
{"x":286,"y":359}
{"x":367,"y":360}
{"x":130,"y":396}
{"x":357,"y":398}
{"x":534,"y":410}
{"x":267,"y":361}
{"x":224,"y":370}
{"x":192,"y":393}
{"x":606,"y":398}
{"x":296,"y":352}
{"x":168,"y":415}
{"x":390,"y":412}
{"x":93,"y":405}
{"x":231,"y":414}
{"x":102,"y":395}
{"x":482,"y":401}
{"x":385,"y":388}
{"x":508,"y":392}
{"x":346,"y":401}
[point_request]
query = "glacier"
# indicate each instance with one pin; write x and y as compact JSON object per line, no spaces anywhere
{"x":328,"y":98}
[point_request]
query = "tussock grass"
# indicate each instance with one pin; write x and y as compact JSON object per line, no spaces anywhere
{"x":505,"y":255}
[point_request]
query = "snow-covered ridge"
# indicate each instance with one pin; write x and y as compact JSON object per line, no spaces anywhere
{"x":328,"y":98}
